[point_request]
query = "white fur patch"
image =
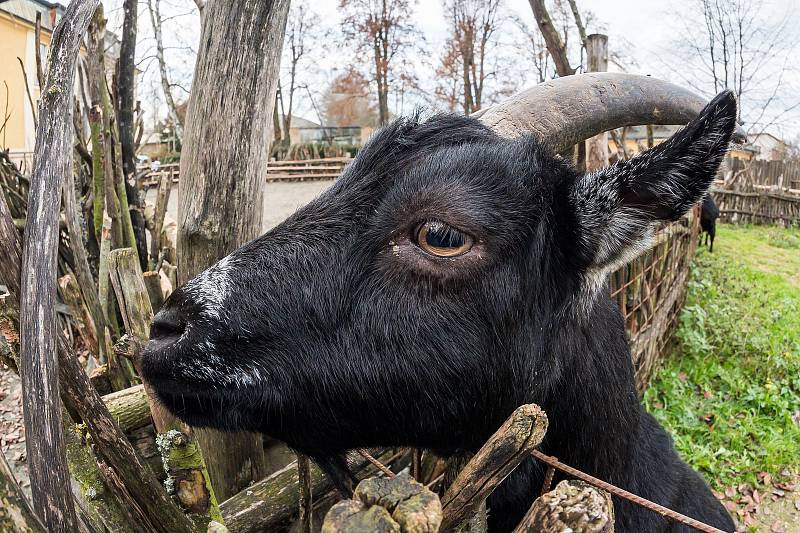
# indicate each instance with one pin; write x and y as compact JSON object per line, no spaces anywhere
{"x":211,"y":288}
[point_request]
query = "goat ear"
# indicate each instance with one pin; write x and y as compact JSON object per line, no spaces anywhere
{"x":617,"y":209}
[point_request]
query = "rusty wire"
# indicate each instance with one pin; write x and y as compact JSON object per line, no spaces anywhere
{"x":624,"y":494}
{"x":554,"y":464}
{"x":380,"y":466}
{"x":548,"y":479}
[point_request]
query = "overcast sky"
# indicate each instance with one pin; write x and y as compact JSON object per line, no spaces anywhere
{"x":643,"y":30}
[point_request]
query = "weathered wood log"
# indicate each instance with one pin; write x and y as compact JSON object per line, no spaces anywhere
{"x":523,"y":431}
{"x":16,"y":513}
{"x":82,"y":270}
{"x":143,"y":493}
{"x":129,"y":407}
{"x":573,"y":506}
{"x":152,"y":282}
{"x":162,"y":200}
{"x":306,"y":501}
{"x":220,"y":196}
{"x":273,"y":503}
{"x":44,"y":438}
{"x":81,"y":316}
{"x":102,"y":505}
{"x":187,"y":475}
{"x":597,"y":61}
{"x":389,"y":505}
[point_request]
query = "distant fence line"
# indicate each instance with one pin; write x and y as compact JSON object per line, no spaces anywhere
{"x":759,"y":192}
{"x":328,"y":168}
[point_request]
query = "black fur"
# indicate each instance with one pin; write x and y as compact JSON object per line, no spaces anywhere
{"x":709,"y":213}
{"x":335,"y":331}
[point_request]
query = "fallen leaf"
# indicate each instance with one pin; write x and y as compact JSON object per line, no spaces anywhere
{"x":777,"y":527}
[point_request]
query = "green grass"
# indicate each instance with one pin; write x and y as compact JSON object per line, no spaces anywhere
{"x":729,"y":391}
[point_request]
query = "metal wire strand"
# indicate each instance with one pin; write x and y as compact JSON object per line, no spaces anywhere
{"x":624,"y":494}
{"x":380,"y":466}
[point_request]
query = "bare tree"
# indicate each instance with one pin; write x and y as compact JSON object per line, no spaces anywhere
{"x":348,"y":102}
{"x":383,"y":36}
{"x":556,"y":45}
{"x":473,"y":24}
{"x":535,"y":50}
{"x":156,"y":20}
{"x":741,"y":46}
{"x":303,"y":26}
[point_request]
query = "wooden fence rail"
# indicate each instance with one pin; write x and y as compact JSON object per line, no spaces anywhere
{"x":300,"y":170}
{"x":758,"y":207}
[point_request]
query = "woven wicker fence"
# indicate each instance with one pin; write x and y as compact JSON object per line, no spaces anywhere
{"x":651,"y":289}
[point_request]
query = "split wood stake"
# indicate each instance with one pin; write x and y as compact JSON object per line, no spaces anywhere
{"x":513,"y":442}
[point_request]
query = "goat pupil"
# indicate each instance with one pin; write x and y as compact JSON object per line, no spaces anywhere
{"x":444,"y":237}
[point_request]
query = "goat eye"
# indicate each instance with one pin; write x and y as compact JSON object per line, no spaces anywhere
{"x":442,"y":240}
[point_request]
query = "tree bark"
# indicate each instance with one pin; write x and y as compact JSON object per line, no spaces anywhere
{"x":552,"y":39}
{"x":47,"y":464}
{"x":221,"y":190}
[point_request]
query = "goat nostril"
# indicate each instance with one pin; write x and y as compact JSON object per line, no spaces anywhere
{"x":167,"y":325}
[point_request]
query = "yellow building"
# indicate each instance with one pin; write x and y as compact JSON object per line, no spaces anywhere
{"x":18,"y":43}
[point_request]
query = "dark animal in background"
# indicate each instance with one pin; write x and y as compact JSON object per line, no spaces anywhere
{"x":709,"y":213}
{"x":449,"y":276}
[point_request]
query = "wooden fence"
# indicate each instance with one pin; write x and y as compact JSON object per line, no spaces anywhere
{"x":762,"y":174}
{"x":759,"y":192}
{"x":757,"y":207}
{"x":301,"y":170}
{"x":308,"y":169}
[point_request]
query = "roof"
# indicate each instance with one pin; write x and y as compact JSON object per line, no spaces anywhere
{"x":300,"y":122}
{"x":766,"y":134}
{"x":27,"y":9}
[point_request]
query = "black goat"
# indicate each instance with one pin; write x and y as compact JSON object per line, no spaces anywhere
{"x":709,"y":213}
{"x":449,"y":276}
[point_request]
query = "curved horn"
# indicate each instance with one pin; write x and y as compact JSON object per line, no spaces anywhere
{"x":565,"y":111}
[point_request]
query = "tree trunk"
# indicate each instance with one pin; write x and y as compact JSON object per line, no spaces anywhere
{"x":555,"y":46}
{"x":126,"y":80}
{"x":44,"y":438}
{"x":155,"y":19}
{"x":222,"y":189}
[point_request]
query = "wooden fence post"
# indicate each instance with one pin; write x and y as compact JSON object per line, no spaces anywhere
{"x":183,"y":460}
{"x":597,"y":61}
{"x":44,"y":438}
{"x":523,"y":431}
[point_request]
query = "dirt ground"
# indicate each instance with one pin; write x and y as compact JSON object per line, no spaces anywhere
{"x":281,"y":199}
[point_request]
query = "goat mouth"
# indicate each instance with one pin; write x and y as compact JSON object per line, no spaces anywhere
{"x":199,"y":408}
